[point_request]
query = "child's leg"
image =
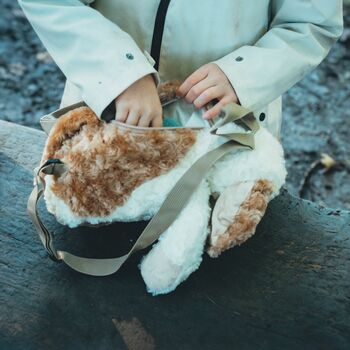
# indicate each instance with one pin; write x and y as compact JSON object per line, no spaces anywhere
{"x":178,"y":251}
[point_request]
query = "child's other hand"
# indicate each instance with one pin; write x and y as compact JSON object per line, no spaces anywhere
{"x":139,"y":104}
{"x":207,"y":83}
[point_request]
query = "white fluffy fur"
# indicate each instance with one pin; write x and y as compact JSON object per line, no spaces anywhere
{"x":178,"y":251}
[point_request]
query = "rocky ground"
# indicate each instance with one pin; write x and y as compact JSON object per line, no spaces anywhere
{"x":316,"y":111}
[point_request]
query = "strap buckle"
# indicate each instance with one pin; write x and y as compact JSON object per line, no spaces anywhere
{"x":53,"y":166}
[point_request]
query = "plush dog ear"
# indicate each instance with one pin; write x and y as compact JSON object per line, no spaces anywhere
{"x":236,"y":214}
{"x":67,"y":126}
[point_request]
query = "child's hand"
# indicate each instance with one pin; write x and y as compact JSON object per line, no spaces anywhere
{"x":139,"y":104}
{"x":207,"y":83}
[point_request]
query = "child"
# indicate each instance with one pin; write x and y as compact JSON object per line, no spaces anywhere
{"x":250,"y":52}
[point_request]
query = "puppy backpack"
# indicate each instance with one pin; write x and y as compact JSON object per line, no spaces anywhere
{"x":90,"y":168}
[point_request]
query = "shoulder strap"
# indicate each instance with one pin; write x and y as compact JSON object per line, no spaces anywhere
{"x":176,"y":200}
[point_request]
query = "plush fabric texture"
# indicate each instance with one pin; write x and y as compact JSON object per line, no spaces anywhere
{"x":121,"y":173}
{"x":106,"y":162}
{"x":233,"y":224}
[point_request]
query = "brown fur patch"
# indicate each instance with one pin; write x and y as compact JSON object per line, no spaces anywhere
{"x":168,"y":91}
{"x":246,"y":220}
{"x":107,"y":162}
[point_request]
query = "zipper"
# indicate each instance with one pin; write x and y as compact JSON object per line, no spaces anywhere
{"x":158,"y":31}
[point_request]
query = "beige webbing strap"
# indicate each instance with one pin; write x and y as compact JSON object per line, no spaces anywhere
{"x":176,"y":200}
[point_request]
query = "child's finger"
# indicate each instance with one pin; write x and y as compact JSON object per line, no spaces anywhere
{"x":157,"y":122}
{"x":144,"y":120}
{"x":214,"y":111}
{"x":198,"y":89}
{"x":207,"y":95}
{"x":133,"y":117}
{"x":121,"y":113}
{"x":200,"y":74}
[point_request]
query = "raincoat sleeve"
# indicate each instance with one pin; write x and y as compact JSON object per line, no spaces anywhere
{"x":300,"y":35}
{"x":93,"y":53}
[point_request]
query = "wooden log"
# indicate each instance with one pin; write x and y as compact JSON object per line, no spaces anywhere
{"x":288,"y":287}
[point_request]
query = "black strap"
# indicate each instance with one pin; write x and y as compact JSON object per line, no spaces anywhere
{"x":158,"y":31}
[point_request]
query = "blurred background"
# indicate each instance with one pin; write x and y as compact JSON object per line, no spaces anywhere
{"x":316,"y":121}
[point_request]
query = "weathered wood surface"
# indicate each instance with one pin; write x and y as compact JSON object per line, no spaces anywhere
{"x":287,"y":288}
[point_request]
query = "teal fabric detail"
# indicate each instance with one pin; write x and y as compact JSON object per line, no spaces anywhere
{"x":169,"y":122}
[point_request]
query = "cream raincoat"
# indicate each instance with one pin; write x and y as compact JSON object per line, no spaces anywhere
{"x":263,"y":46}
